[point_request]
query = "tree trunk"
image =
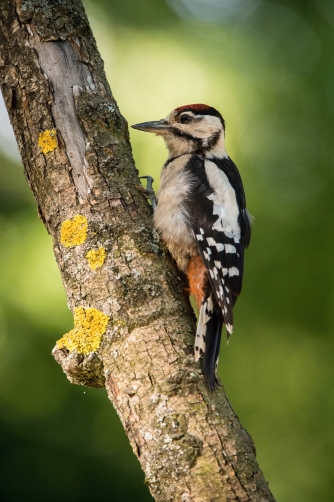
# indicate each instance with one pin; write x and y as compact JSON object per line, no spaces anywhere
{"x":133,"y":327}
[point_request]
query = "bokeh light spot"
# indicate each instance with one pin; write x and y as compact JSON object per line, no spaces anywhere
{"x":213,"y":11}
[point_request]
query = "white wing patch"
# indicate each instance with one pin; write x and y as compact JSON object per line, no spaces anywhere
{"x":224,"y":200}
{"x":229,"y":248}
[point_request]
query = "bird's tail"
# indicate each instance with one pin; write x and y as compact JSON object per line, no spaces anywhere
{"x":207,"y":341}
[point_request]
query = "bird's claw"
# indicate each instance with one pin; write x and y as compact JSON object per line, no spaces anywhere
{"x":149,"y":192}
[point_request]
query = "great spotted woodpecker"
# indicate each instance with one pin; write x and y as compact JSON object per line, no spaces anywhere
{"x":201,"y":215}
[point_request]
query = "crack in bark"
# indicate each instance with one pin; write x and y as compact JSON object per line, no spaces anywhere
{"x":59,"y":63}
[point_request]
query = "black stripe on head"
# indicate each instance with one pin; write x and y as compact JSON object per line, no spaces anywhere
{"x":200,"y":109}
{"x":213,"y":141}
{"x":182,"y":134}
{"x":198,"y":142}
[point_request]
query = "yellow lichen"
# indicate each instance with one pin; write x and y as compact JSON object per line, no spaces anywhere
{"x":89,"y":326}
{"x":74,"y":231}
{"x":47,"y":140}
{"x":96,"y":258}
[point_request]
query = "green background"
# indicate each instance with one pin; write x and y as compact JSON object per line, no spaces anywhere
{"x":268,"y":67}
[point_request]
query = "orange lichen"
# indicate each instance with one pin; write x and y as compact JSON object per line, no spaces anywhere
{"x":74,"y":231}
{"x":89,"y":326}
{"x":47,"y":140}
{"x":96,"y":258}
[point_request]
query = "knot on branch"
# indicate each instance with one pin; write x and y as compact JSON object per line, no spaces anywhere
{"x":80,"y":369}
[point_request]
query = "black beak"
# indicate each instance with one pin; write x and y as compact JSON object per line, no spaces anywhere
{"x":157,"y":126}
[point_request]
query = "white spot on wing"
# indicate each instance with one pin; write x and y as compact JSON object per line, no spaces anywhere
{"x":233,"y":271}
{"x":218,"y":245}
{"x":229,"y":248}
{"x":211,"y":241}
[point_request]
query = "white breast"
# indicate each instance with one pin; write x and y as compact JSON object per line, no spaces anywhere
{"x":170,"y":217}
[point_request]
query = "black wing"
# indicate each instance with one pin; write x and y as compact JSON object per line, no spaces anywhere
{"x":221,"y":247}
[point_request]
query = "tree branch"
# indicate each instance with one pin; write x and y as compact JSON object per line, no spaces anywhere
{"x":134,"y":328}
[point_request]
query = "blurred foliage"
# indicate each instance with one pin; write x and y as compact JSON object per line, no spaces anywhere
{"x":268,"y":68}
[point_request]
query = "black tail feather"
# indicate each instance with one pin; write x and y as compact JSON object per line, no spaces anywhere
{"x":212,"y":345}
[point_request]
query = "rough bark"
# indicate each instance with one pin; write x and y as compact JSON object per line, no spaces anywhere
{"x":134,"y":327}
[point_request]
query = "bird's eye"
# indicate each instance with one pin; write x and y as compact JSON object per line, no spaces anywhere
{"x":185,"y":119}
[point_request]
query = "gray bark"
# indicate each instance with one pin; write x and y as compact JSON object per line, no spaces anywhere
{"x":134,"y":326}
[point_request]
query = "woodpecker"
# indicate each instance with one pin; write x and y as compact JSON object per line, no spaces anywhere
{"x":201,"y":215}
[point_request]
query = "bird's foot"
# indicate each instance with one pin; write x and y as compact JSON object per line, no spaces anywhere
{"x":149,"y":192}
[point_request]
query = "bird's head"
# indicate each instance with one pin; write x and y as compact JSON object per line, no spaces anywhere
{"x":190,"y":129}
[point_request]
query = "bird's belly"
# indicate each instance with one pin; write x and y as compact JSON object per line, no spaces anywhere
{"x":174,"y":229}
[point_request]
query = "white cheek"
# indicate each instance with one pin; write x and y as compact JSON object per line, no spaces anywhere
{"x":204,"y":132}
{"x":208,"y":126}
